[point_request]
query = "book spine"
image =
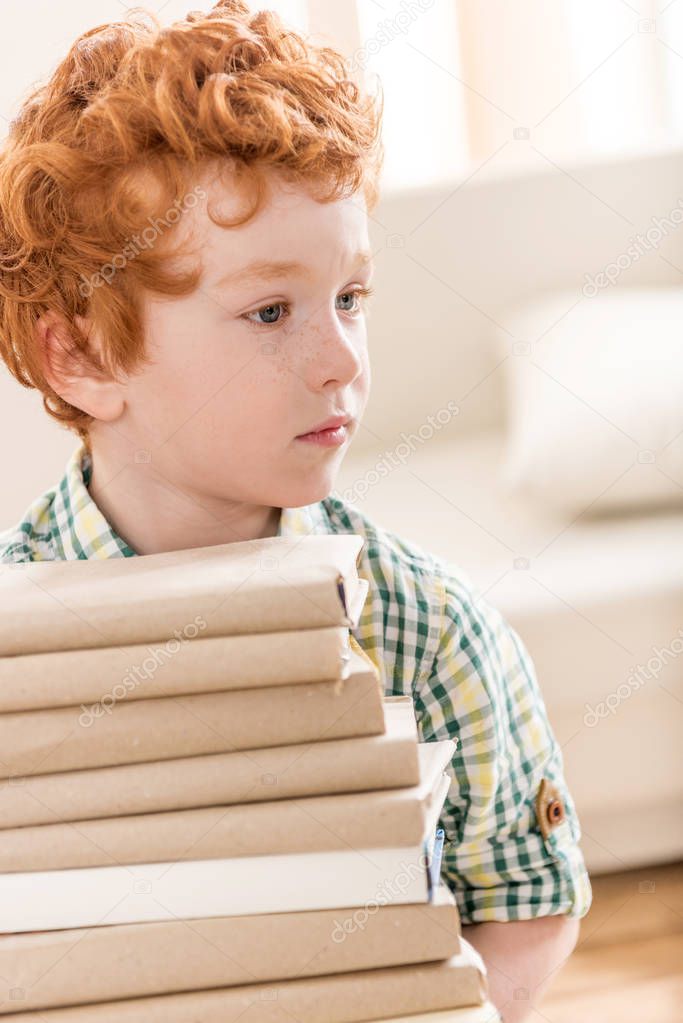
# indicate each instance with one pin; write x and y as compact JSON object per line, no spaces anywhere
{"x":346,"y":998}
{"x":257,"y":829}
{"x":182,"y":666}
{"x":286,"y":772}
{"x":72,"y":738}
{"x":65,"y":967}
{"x":104,"y":618}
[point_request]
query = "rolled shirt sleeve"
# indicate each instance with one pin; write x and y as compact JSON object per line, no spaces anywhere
{"x":482,"y":691}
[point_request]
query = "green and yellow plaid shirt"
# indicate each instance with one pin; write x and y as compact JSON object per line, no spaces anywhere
{"x":467,"y":671}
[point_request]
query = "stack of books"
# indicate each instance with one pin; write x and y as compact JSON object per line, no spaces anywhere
{"x":208,"y":811}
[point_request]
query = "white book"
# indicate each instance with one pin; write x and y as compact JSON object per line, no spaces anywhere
{"x":292,"y":882}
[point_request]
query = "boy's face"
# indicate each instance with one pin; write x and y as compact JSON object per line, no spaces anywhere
{"x":246,"y":365}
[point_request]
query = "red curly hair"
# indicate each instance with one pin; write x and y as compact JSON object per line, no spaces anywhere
{"x":133,"y":99}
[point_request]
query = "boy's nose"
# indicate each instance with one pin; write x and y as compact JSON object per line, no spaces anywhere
{"x":332,"y":357}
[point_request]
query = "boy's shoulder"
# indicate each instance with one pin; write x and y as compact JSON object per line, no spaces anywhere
{"x":397,"y":561}
{"x":423,"y":616}
{"x":404,"y":573}
{"x":415,"y":598}
{"x":32,"y":538}
{"x":36,"y":537}
{"x":63,"y":523}
{"x":379,"y":543}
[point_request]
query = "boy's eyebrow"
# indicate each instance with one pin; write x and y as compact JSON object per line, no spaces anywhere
{"x":268,"y":269}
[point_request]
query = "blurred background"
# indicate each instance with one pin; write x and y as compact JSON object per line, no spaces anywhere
{"x":526,"y":419}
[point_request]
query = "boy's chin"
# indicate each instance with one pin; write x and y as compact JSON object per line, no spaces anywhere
{"x":308,"y":490}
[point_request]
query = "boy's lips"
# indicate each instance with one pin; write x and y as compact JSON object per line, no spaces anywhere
{"x":330,"y":433}
{"x":331,"y":423}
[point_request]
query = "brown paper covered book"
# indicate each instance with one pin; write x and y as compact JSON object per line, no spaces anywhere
{"x":268,"y":585}
{"x":54,"y":968}
{"x":375,"y":820}
{"x":64,"y":678}
{"x":373,"y":762}
{"x":334,"y":998}
{"x":71,"y":738}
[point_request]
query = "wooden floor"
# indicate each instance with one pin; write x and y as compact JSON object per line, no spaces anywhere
{"x":628,"y":966}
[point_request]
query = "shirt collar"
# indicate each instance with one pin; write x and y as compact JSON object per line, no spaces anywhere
{"x":82,"y":531}
{"x":309,"y":518}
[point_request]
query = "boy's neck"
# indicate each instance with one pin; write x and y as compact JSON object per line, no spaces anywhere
{"x":152,"y":514}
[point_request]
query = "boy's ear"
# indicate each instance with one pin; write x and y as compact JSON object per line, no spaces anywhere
{"x":77,"y":375}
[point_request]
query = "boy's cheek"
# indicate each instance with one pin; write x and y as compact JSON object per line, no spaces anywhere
{"x":361,"y":393}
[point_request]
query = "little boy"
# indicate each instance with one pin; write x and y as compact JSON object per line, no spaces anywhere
{"x":181,"y":210}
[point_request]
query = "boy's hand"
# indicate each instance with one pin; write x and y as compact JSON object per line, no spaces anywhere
{"x":522,"y":958}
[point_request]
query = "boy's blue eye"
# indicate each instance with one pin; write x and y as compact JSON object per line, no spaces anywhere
{"x":272,"y":314}
{"x":268,"y":315}
{"x":353,"y":295}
